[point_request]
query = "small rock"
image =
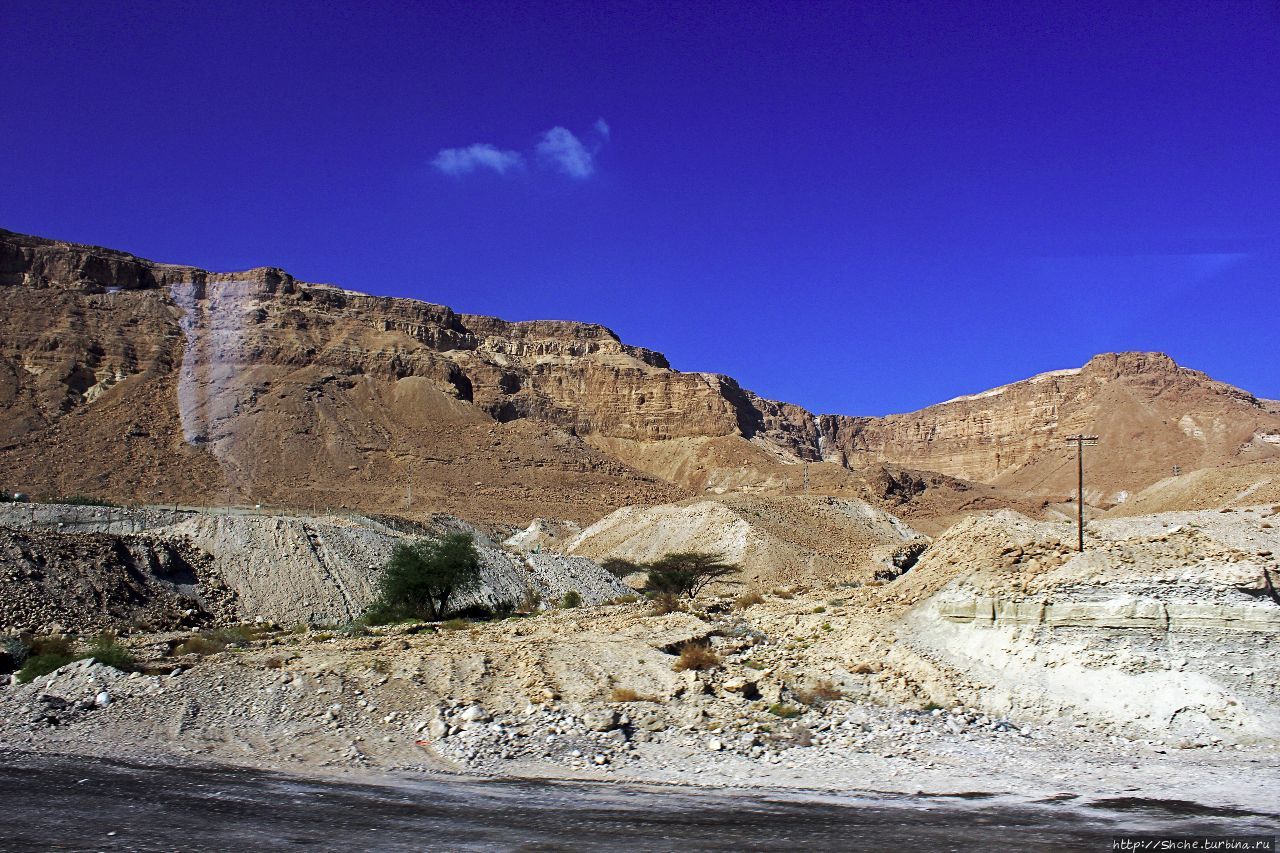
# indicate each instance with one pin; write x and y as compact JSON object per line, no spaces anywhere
{"x":600,"y":719}
{"x":103,"y":699}
{"x":715,"y":744}
{"x":475,"y":714}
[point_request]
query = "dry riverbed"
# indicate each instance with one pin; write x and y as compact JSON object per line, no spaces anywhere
{"x":799,"y":699}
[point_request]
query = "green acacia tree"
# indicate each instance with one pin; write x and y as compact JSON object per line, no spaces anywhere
{"x":422,"y":576}
{"x":687,"y":573}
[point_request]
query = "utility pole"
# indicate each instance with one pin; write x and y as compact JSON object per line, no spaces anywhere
{"x":1081,"y":442}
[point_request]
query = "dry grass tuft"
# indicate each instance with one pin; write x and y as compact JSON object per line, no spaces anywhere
{"x":626,"y":694}
{"x":201,"y":645}
{"x":820,"y":692}
{"x":747,"y":599}
{"x":697,"y":656}
{"x":664,"y":603}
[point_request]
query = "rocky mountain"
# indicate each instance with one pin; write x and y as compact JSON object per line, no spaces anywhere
{"x":1149,"y":413}
{"x":134,"y":380}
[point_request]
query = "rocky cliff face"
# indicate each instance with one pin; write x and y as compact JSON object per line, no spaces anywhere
{"x":1149,"y":413}
{"x":151,"y":382}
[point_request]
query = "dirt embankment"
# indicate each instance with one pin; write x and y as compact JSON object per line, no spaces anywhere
{"x":88,"y":581}
{"x":107,"y":567}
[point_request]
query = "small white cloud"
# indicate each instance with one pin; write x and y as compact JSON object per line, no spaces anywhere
{"x":561,"y":150}
{"x":602,"y":128}
{"x":464,"y":161}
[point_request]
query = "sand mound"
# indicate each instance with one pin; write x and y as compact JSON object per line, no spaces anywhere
{"x":774,"y":539}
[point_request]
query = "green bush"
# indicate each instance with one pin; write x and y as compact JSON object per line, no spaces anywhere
{"x":45,"y":654}
{"x":38,"y":665}
{"x":421,"y":577}
{"x":786,"y":712}
{"x":571,"y":599}
{"x":105,"y":650}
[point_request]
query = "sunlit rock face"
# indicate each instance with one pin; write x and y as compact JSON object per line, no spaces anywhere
{"x":161,"y":383}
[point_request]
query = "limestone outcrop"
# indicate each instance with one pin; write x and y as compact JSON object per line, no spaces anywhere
{"x":1164,"y":626}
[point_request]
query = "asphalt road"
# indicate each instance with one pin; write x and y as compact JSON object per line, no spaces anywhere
{"x":71,"y":803}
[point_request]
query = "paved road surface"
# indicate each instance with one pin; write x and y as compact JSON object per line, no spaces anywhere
{"x":61,"y":803}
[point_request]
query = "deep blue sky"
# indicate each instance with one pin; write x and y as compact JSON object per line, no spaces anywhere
{"x":858,"y":207}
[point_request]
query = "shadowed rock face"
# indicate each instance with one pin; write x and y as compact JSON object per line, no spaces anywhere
{"x":151,"y":382}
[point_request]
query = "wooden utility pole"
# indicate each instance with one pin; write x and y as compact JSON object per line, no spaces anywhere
{"x":1081,"y":442}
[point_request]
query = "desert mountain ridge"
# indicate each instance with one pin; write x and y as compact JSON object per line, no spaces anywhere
{"x":134,"y":380}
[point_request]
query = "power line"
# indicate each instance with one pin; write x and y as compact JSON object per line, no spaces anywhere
{"x":1081,"y":442}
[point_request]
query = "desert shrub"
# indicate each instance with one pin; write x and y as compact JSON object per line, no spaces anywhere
{"x":200,"y":644}
{"x":571,"y":599}
{"x":456,"y":624}
{"x":273,"y":662}
{"x":531,"y":602}
{"x":420,"y":578}
{"x":863,"y":668}
{"x":626,"y":599}
{"x":38,"y":665}
{"x":820,"y":692}
{"x":819,"y":609}
{"x":664,"y":603}
{"x":108,"y":652}
{"x":13,"y":653}
{"x":620,"y":568}
{"x":240,"y":635}
{"x":83,"y":500}
{"x":214,"y":640}
{"x":749,"y":599}
{"x":784,"y":594}
{"x":785,"y":711}
{"x":52,"y":645}
{"x":44,"y":655}
{"x":322,"y":637}
{"x":687,"y":573}
{"x":698,"y":656}
{"x":626,"y":694}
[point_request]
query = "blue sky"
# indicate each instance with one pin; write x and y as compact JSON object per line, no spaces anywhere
{"x":859,"y":207}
